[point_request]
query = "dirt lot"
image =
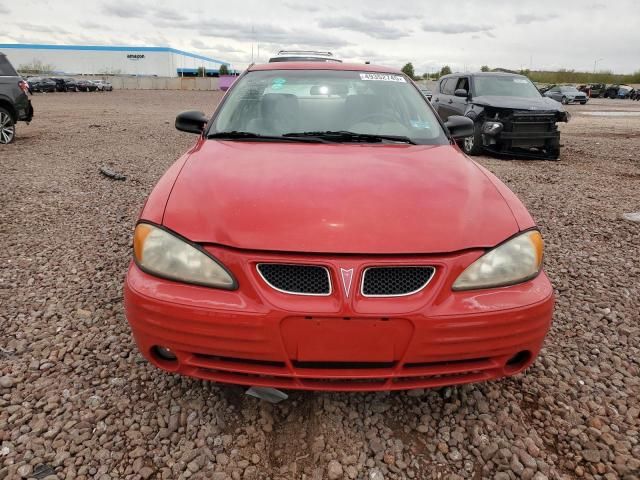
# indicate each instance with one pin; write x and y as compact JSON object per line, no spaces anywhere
{"x":78,"y":401}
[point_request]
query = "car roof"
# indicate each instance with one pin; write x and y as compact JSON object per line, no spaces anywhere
{"x":323,"y":66}
{"x":482,"y":74}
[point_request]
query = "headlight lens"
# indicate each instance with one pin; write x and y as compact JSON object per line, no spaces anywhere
{"x":515,"y":261}
{"x":492,"y":128}
{"x":160,"y":253}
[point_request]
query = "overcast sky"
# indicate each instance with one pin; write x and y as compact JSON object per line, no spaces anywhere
{"x":541,"y":34}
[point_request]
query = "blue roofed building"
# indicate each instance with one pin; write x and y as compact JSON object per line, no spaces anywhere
{"x":112,"y":60}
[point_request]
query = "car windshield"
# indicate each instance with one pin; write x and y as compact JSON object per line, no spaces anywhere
{"x":569,"y":89}
{"x":279,"y":102}
{"x":504,"y":87}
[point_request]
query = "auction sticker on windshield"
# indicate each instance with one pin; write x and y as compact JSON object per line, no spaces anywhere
{"x":382,"y":77}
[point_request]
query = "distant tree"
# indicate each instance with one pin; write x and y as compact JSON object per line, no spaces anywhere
{"x":485,"y":68}
{"x":408,"y":70}
{"x":446,"y":70}
{"x":426,"y":76}
{"x":224,"y":70}
{"x":201,"y":72}
{"x":37,"y":67}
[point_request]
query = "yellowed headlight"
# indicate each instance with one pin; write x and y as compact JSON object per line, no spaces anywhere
{"x":515,"y":261}
{"x":161,"y":253}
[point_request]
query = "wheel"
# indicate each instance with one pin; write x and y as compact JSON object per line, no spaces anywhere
{"x":564,"y":100}
{"x":583,"y":103}
{"x":7,"y":127}
{"x":554,"y":153}
{"x":473,"y":145}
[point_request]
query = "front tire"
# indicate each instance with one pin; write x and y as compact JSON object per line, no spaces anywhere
{"x":564,"y":100}
{"x":7,"y":127}
{"x":473,"y":145}
{"x":554,"y":153}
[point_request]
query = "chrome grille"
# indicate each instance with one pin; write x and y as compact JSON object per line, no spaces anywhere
{"x":296,"y":279}
{"x":395,"y":281}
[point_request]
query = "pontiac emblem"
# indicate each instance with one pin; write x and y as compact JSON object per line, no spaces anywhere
{"x":347,"y":277}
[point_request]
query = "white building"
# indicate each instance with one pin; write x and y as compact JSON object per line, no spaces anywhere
{"x":114,"y":60}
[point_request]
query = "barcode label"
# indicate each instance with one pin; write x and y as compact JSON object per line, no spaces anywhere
{"x":382,"y":77}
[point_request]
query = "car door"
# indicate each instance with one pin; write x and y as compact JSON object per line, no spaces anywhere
{"x":444,"y":99}
{"x":458,"y":105}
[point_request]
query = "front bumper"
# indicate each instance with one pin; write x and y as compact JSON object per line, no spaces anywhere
{"x":525,"y":134}
{"x":257,"y":336}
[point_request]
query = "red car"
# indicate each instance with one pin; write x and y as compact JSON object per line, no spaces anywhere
{"x":325,"y":232}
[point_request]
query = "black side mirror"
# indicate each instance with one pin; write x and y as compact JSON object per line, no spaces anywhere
{"x":459,"y":127}
{"x":461,"y":92}
{"x":191,"y":121}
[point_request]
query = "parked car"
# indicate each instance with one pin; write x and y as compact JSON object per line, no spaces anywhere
{"x":334,"y":242}
{"x":509,"y":113}
{"x":86,"y":85}
{"x":635,"y":95}
{"x":625,"y":91}
{"x":593,"y":90}
{"x":15,"y":105}
{"x":543,"y":87}
{"x":303,"y":56}
{"x":41,"y":84}
{"x":566,"y":94}
{"x":64,"y":84}
{"x":103,"y":86}
{"x":617,"y":91}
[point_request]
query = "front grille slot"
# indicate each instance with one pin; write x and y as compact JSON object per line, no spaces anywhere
{"x":296,"y":279}
{"x":342,"y":365}
{"x":395,"y":281}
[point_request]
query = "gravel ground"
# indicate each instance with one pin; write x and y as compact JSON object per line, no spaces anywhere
{"x":77,"y":400}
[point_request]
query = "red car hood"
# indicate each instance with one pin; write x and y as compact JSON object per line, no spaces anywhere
{"x":370,"y":199}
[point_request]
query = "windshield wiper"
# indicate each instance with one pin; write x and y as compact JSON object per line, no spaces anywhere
{"x":236,"y":135}
{"x":346,"y":136}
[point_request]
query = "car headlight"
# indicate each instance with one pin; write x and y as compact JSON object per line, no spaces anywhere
{"x":515,"y":261}
{"x":492,"y":128}
{"x":164,"y":254}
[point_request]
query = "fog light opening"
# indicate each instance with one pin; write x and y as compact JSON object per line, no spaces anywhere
{"x":164,"y":355}
{"x":518,"y":362}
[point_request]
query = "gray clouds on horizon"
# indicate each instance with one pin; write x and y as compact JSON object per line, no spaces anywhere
{"x":428,"y":33}
{"x":372,"y":28}
{"x":527,"y":18}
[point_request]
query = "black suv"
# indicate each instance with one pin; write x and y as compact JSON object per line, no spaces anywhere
{"x":14,"y":102}
{"x":64,"y":84}
{"x":511,"y":117}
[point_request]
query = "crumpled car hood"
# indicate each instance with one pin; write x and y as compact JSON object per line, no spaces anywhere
{"x":519,"y":103}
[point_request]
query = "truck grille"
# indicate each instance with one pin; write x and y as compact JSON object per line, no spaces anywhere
{"x":395,"y":281}
{"x":296,"y":279}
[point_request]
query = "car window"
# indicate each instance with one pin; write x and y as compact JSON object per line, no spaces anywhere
{"x":505,"y":86}
{"x":6,"y":69}
{"x":277,"y":102}
{"x":569,"y":89}
{"x":447,"y":86}
{"x":463,"y":82}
